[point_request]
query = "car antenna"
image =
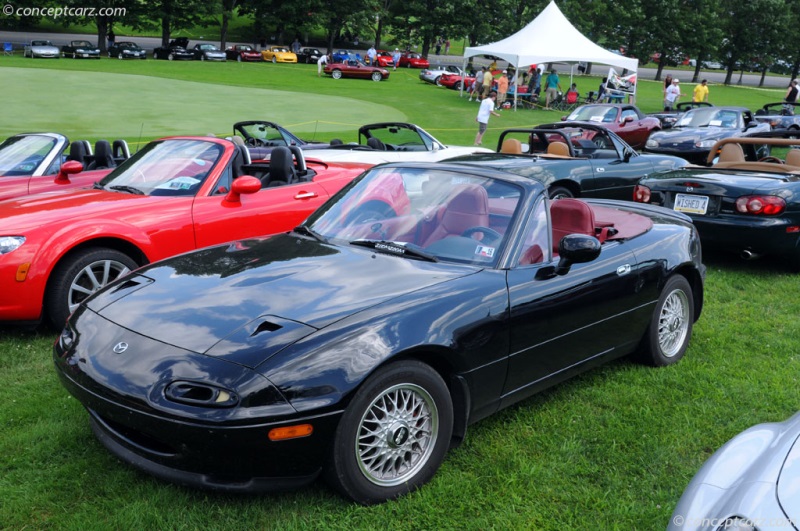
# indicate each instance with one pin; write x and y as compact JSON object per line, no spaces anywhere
{"x":139,"y":142}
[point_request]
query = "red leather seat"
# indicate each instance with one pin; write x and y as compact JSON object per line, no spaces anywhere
{"x":570,"y":216}
{"x":468,"y":207}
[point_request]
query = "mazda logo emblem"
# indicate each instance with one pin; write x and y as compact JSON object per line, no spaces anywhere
{"x":689,"y":189}
{"x":120,"y":347}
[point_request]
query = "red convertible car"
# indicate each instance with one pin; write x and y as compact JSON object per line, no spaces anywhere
{"x":175,"y":195}
{"x":355,"y":68}
{"x":243,"y":52}
{"x":384,"y":59}
{"x":413,"y":60}
{"x":455,"y":81}
{"x":31,"y":163}
{"x":631,"y":124}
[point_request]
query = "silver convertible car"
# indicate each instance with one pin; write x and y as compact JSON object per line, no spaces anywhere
{"x":41,"y":49}
{"x":751,"y":483}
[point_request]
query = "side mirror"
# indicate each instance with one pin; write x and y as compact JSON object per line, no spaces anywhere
{"x":576,"y":249}
{"x":627,"y":119}
{"x":246,"y":184}
{"x":70,"y":167}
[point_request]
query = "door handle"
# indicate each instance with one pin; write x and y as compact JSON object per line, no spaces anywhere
{"x":305,"y":195}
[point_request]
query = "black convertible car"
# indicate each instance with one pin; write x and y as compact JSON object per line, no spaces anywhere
{"x":126,"y":50}
{"x":363,"y":343}
{"x":80,"y":50}
{"x":697,"y":130}
{"x":743,"y":203}
{"x":176,"y":50}
{"x":573,"y":159}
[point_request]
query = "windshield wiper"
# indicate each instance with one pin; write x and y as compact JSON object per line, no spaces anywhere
{"x":402,"y":249}
{"x":98,"y":186}
{"x":305,"y":231}
{"x":128,"y":189}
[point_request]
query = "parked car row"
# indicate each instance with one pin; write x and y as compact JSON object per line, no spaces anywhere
{"x":535,"y":249}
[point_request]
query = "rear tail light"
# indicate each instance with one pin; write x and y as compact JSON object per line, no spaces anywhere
{"x":641,"y":194}
{"x":760,"y":205}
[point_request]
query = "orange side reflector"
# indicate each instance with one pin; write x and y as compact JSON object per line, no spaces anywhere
{"x":290,"y":432}
{"x":22,"y":272}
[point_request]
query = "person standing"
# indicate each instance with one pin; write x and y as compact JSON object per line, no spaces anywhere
{"x":701,"y":91}
{"x":396,"y":57}
{"x":484,"y":113}
{"x":477,"y":85}
{"x":673,"y":95}
{"x":372,"y":55}
{"x":447,"y":47}
{"x":552,"y":86}
{"x":601,"y":90}
{"x":790,"y":98}
{"x":502,"y":90}
{"x":111,"y":38}
{"x":439,"y":45}
{"x":488,"y":80}
{"x":321,"y":62}
{"x":667,"y":84}
{"x":296,"y":45}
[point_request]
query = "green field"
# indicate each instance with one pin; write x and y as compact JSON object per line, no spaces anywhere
{"x":612,"y":449}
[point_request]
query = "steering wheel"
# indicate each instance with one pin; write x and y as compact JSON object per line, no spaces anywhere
{"x":770,"y":158}
{"x":490,"y":235}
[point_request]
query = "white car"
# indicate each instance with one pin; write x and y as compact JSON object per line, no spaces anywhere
{"x":432,"y":74}
{"x":390,"y":142}
{"x":42,"y":49}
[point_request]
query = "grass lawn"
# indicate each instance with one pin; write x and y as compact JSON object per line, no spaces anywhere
{"x":612,"y":449}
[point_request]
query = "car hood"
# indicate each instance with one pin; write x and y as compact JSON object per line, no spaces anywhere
{"x":692,"y":134}
{"x":54,"y":209}
{"x":246,"y":300}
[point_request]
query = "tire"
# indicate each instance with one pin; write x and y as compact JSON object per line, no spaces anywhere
{"x":74,"y":55}
{"x":404,"y":412}
{"x":376,"y":76}
{"x":78,"y":276}
{"x":670,"y":329}
{"x":274,"y":59}
{"x":239,"y":58}
{"x":170,"y":57}
{"x":202,"y":57}
{"x":458,"y":85}
{"x":119,"y":56}
{"x":438,"y":81}
{"x":560,"y":192}
{"x":336,"y":74}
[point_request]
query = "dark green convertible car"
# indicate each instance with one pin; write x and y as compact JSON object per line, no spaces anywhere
{"x":574,"y":159}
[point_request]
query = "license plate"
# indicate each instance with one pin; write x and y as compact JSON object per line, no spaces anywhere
{"x":692,"y":204}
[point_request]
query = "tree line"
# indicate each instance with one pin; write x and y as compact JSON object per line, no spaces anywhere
{"x":755,"y":35}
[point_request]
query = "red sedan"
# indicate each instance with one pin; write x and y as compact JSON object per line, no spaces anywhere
{"x":355,"y":68}
{"x":625,"y":120}
{"x":413,"y":60}
{"x":31,"y":163}
{"x":174,"y":195}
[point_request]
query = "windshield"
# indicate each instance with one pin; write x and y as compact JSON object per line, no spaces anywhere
{"x":209,"y":47}
{"x":593,"y":113}
{"x":422,"y":213}
{"x":166,"y":167}
{"x":83,"y":44}
{"x":21,"y":155}
{"x":710,"y":117}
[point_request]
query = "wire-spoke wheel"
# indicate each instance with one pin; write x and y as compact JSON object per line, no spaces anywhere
{"x":671,"y":325}
{"x":80,"y":275}
{"x":394,"y":435}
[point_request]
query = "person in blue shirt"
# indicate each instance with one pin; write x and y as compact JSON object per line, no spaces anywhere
{"x":552,"y":87}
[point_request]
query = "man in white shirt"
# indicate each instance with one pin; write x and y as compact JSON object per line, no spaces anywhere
{"x":321,"y":62}
{"x":673,"y":93}
{"x":484,"y":112}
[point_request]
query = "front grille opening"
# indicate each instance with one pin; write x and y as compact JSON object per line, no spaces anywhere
{"x":139,"y":439}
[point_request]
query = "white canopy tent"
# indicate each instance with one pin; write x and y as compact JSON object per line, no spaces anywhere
{"x":550,"y":38}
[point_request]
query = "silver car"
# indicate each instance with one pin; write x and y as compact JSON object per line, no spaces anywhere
{"x":751,"y":483}
{"x":42,"y":49}
{"x":432,"y":74}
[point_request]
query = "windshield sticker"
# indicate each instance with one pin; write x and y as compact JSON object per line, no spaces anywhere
{"x":391,"y":248}
{"x":484,"y":251}
{"x":179,"y":183}
{"x":715,"y":123}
